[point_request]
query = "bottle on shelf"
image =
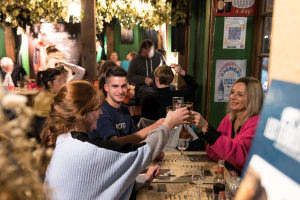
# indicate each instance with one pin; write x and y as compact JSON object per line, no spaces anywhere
{"x":219,"y":182}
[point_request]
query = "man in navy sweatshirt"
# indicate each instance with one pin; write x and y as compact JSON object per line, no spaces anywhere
{"x":116,"y":123}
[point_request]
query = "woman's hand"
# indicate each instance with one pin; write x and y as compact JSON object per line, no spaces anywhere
{"x":199,"y":121}
{"x":152,"y":172}
{"x":176,"y":117}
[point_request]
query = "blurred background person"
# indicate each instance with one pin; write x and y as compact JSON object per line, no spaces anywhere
{"x":141,"y":69}
{"x":40,"y":54}
{"x":125,"y":63}
{"x":51,"y":80}
{"x":100,"y":51}
{"x":11,"y":73}
{"x":55,"y":58}
{"x":114,"y":57}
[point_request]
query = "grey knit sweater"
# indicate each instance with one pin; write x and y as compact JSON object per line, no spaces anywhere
{"x":81,"y":168}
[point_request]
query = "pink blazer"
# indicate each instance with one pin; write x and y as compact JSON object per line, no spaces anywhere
{"x":233,"y":150}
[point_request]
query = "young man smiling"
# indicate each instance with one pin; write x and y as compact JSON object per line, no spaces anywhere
{"x":116,"y":123}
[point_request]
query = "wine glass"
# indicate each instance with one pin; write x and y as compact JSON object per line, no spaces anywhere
{"x":198,"y":178}
{"x":233,"y":185}
{"x":183,"y":144}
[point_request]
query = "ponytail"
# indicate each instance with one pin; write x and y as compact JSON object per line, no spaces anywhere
{"x":43,"y":77}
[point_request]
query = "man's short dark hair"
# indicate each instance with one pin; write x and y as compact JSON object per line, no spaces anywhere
{"x":115,"y":71}
{"x":146,"y":44}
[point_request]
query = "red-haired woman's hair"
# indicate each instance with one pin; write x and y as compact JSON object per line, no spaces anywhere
{"x":71,"y":103}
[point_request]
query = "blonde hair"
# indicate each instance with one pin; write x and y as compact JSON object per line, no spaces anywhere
{"x":255,"y":98}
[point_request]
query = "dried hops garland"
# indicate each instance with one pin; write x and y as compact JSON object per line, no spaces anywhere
{"x":22,"y":12}
{"x":22,"y":160}
{"x":146,"y":13}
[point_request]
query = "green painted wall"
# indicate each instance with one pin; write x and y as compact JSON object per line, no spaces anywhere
{"x":218,"y":110}
{"x":123,"y":49}
{"x":199,"y":33}
{"x":2,"y":43}
{"x":199,"y":36}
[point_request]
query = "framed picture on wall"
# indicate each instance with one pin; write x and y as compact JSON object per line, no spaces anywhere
{"x":126,"y":36}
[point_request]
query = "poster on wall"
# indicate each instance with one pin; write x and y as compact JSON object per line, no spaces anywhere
{"x":235,"y":8}
{"x":126,"y":36}
{"x":235,"y":32}
{"x":227,"y":72}
{"x":272,"y":169}
{"x":48,"y":42}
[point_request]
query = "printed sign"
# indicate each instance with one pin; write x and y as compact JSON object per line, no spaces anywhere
{"x":235,"y":8}
{"x":235,"y":32}
{"x":227,"y":72}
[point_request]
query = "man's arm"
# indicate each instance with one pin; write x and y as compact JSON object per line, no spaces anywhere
{"x":139,"y":136}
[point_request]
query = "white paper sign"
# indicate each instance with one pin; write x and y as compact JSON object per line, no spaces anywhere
{"x":227,"y":72}
{"x":234,"y":32}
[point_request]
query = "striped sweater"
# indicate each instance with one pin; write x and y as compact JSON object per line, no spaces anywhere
{"x":81,"y":168}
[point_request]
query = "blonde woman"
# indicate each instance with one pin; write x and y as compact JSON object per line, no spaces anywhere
{"x":232,"y":140}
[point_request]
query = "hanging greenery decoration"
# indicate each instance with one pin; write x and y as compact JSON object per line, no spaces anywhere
{"x":146,"y":13}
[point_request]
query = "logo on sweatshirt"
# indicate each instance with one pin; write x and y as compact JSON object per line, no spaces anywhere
{"x":120,"y":126}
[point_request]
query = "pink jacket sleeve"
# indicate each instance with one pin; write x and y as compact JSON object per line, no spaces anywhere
{"x":233,"y":150}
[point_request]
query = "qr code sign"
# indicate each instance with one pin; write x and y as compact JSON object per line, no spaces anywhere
{"x":234,"y":33}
